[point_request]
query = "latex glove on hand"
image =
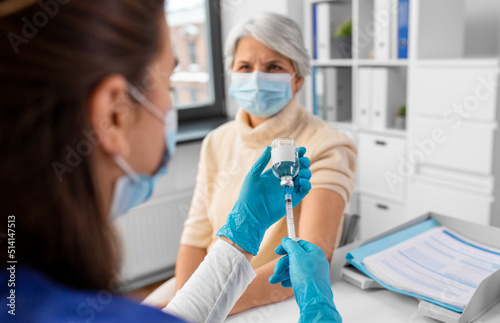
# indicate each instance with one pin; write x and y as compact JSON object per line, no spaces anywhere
{"x":261,"y":202}
{"x":305,"y":268}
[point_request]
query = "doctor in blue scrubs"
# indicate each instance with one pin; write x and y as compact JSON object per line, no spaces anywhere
{"x":87,"y":127}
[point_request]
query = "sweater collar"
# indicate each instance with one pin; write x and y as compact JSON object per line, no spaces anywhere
{"x":279,"y":125}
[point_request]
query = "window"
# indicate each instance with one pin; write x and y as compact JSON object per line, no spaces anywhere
{"x":175,"y":96}
{"x":198,"y":79}
{"x":194,"y":95}
{"x":192,"y":52}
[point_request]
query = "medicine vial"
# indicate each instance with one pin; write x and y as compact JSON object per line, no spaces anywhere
{"x":285,"y":166}
{"x":285,"y":160}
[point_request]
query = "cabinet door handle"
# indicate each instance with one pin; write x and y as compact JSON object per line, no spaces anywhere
{"x":380,"y":142}
{"x":382,"y":207}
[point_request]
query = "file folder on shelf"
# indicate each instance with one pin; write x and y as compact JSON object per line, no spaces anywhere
{"x":403,"y":22}
{"x":486,"y":295}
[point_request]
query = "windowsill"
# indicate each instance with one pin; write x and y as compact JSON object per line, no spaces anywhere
{"x":197,"y":130}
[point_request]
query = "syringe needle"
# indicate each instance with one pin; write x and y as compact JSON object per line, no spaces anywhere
{"x":290,"y":223}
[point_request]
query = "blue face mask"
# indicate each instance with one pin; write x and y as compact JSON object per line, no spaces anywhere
{"x":261,"y":94}
{"x":133,"y":189}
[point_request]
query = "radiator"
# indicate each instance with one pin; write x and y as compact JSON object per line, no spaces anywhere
{"x":150,"y":235}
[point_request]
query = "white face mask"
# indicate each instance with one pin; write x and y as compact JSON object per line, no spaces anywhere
{"x":261,"y":94}
{"x":133,"y":189}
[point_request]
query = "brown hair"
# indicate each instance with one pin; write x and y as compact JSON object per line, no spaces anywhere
{"x":52,"y":55}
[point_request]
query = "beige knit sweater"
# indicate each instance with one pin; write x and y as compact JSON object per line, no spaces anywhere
{"x":228,"y":153}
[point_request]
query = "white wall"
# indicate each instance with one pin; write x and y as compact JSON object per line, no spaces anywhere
{"x":236,"y":11}
{"x":483,"y":28}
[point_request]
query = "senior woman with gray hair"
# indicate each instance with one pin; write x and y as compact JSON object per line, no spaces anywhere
{"x":268,"y":63}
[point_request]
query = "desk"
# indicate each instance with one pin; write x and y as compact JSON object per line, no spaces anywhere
{"x":354,"y":305}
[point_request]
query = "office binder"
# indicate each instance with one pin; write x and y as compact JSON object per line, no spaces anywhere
{"x":485,"y":297}
{"x":315,"y":31}
{"x":314,"y":86}
{"x":319,"y":91}
{"x":394,"y":28}
{"x":365,"y":97}
{"x":337,"y":95}
{"x":387,"y":95}
{"x":323,"y":31}
{"x":403,"y":20}
{"x":331,"y":94}
{"x":383,"y":80}
{"x":384,"y":31}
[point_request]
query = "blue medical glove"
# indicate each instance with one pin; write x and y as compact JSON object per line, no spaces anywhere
{"x":305,"y":268}
{"x":261,"y":202}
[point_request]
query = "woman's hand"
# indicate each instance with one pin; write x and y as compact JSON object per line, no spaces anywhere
{"x":305,"y":268}
{"x":261,"y":202}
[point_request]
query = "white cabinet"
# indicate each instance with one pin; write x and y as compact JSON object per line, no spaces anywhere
{"x":378,"y":158}
{"x":454,"y":140}
{"x":431,"y":195}
{"x":455,"y":94}
{"x":467,"y":146}
{"x":378,"y":215}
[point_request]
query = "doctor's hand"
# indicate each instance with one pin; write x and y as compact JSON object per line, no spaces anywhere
{"x":164,"y":304}
{"x":261,"y":202}
{"x":305,"y":268}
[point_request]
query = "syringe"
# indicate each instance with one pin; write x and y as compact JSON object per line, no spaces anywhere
{"x":290,"y":223}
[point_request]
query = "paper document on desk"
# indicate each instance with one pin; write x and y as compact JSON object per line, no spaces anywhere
{"x":428,"y":261}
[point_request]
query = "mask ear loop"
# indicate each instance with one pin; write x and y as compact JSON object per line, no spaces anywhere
{"x":167,"y":119}
{"x":141,"y":98}
{"x":170,"y":127}
{"x":126,"y":168}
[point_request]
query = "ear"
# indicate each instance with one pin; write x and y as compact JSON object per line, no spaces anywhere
{"x":299,"y":81}
{"x":108,"y":109}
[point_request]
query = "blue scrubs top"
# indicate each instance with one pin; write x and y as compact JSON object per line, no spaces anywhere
{"x":40,"y":299}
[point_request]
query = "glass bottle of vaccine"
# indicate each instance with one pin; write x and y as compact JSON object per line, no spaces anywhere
{"x":285,"y":166}
{"x":285,"y":160}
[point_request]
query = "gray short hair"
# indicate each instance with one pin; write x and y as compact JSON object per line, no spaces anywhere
{"x":275,"y":31}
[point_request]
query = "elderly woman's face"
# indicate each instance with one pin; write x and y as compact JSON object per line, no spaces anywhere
{"x":251,"y":55}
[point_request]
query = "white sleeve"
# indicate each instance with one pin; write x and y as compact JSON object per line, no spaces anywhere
{"x":214,"y":287}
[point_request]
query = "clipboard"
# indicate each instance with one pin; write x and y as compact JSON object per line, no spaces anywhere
{"x":487,"y":294}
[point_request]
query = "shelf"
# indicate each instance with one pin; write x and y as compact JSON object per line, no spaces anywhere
{"x":332,"y":62}
{"x":373,"y":62}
